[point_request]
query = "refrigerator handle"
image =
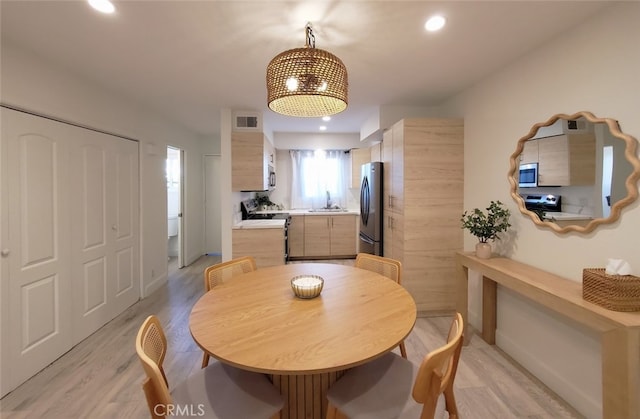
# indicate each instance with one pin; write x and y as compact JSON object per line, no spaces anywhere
{"x":365,"y":196}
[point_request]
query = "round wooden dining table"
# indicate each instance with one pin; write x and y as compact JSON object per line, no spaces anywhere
{"x":255,"y":322}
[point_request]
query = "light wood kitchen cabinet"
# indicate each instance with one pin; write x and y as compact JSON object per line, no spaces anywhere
{"x":343,"y":235}
{"x":567,"y":160}
{"x":296,"y":236}
{"x":251,"y":242}
{"x":359,"y":156}
{"x":423,"y":200}
{"x":387,"y":221}
{"x":251,"y":155}
{"x":317,"y":235}
{"x":330,"y":236}
{"x":529,"y":152}
{"x":393,"y":160}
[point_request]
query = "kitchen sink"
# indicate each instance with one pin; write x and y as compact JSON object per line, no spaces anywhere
{"x":328,"y":210}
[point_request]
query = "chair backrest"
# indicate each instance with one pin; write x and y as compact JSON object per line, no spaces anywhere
{"x":388,"y":267}
{"x":438,"y":369}
{"x":218,"y":273}
{"x":151,"y":347}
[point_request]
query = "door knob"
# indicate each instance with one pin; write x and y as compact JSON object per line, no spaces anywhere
{"x":5,"y":252}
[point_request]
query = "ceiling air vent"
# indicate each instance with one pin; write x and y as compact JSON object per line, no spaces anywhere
{"x":247,"y":121}
{"x":576,"y":124}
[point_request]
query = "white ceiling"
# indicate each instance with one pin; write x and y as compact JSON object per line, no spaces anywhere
{"x":189,"y":59}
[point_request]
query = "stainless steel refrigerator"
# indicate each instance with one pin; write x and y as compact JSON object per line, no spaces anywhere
{"x":371,"y":208}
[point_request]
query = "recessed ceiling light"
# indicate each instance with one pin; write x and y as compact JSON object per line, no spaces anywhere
{"x":326,"y":118}
{"x":103,"y":6}
{"x":435,"y":23}
{"x":323,"y":128}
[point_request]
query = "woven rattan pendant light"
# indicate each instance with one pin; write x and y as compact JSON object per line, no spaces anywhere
{"x":307,"y":82}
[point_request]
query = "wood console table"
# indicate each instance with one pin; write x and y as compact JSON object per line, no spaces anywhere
{"x":619,"y":332}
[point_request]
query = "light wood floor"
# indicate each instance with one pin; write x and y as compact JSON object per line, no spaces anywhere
{"x":101,"y":377}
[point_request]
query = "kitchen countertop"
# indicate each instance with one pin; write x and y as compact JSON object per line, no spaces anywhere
{"x":567,"y":216}
{"x":309,"y":212}
{"x":251,"y":224}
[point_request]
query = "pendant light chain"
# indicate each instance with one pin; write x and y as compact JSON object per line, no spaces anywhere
{"x":311,"y":38}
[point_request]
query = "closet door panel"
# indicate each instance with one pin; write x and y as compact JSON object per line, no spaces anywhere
{"x":126,"y":237}
{"x":36,"y":296}
{"x":89,"y":237}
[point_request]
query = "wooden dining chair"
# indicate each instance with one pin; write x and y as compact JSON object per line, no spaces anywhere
{"x":218,"y":391}
{"x":218,"y":273}
{"x":388,"y":267}
{"x":393,"y":387}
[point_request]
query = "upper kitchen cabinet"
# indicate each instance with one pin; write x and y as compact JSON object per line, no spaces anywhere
{"x":252,"y":162}
{"x":529,"y":152}
{"x":423,"y":199}
{"x":563,"y":160}
{"x":359,"y":156}
{"x":567,"y":160}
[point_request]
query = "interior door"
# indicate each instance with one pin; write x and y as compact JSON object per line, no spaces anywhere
{"x":36,"y":297}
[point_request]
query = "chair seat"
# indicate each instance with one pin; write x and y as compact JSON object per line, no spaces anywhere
{"x":380,"y":389}
{"x":224,"y":392}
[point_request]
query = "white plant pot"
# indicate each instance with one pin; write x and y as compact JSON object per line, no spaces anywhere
{"x":483,"y":250}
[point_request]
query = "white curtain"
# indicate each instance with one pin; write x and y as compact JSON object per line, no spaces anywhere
{"x":319,"y":177}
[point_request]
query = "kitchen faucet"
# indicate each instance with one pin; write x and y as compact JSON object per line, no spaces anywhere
{"x":328,"y":200}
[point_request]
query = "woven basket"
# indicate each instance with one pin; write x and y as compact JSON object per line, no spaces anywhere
{"x":614,"y":292}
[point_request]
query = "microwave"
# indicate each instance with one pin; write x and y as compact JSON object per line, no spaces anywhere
{"x":528,"y":175}
{"x":272,"y":178}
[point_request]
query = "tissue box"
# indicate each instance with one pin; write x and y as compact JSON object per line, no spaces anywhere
{"x":614,"y":292}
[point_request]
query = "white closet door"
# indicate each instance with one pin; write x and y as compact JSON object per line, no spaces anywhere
{"x":104,"y":256}
{"x":69,"y":202}
{"x":36,"y":298}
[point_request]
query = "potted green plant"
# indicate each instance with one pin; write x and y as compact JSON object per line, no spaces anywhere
{"x":486,"y":226}
{"x":264,"y":201}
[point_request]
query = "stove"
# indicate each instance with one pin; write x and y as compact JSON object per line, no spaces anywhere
{"x":250,"y":206}
{"x":547,"y":203}
{"x":268,"y":216}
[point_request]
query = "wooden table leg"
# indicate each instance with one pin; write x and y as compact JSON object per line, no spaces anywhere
{"x":621,"y":373}
{"x":305,"y":395}
{"x":489,"y":308}
{"x":462,"y":300}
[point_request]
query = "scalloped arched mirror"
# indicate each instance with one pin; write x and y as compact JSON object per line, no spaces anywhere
{"x":574,"y":172}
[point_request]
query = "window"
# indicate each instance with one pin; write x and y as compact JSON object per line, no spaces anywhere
{"x":319,"y":178}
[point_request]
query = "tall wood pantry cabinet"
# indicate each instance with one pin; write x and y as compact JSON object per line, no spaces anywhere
{"x":423,"y":201}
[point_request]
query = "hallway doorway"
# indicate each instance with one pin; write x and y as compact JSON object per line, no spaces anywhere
{"x":175,"y":194}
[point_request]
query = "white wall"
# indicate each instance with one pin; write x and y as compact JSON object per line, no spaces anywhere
{"x":34,"y":84}
{"x":594,"y":67}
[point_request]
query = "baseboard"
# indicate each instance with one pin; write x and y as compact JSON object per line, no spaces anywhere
{"x":435,"y":313}
{"x":566,"y":390}
{"x":154,"y":285}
